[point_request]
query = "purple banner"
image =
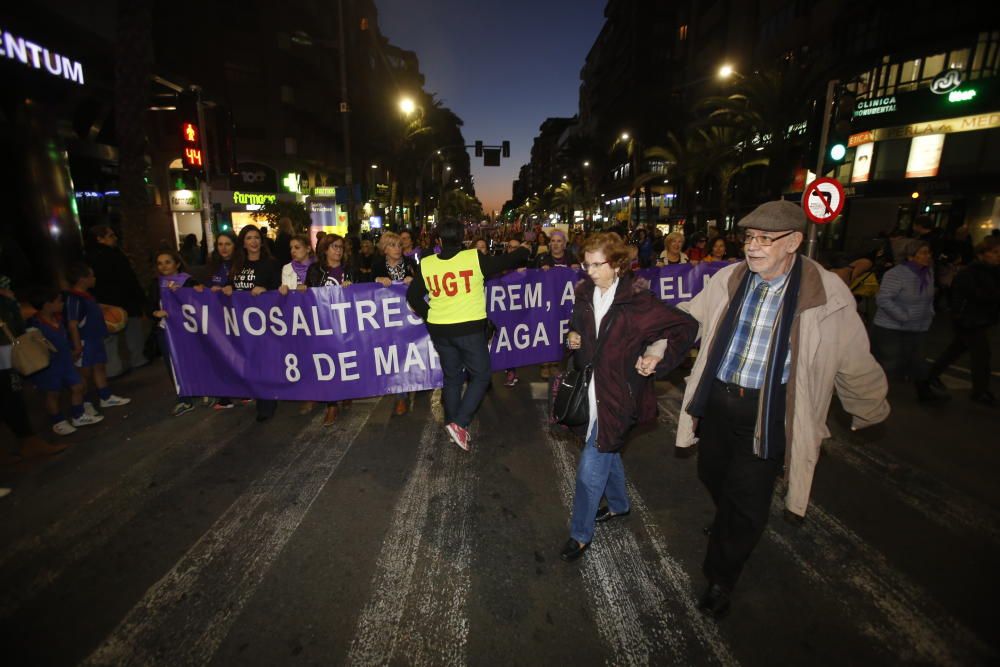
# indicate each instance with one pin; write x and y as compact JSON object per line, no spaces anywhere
{"x":332,"y":343}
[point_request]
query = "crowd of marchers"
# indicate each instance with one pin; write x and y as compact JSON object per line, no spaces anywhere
{"x":779,"y":334}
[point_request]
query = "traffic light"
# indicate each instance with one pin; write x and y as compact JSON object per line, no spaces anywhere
{"x":505,"y":148}
{"x":479,"y":149}
{"x":190,"y":130}
{"x":840,"y":128}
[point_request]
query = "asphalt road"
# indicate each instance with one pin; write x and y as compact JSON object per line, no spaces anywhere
{"x":210,"y":539}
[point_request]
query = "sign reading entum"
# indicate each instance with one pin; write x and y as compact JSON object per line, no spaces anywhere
{"x":39,"y":57}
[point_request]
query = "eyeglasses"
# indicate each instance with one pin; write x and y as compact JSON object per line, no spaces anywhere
{"x":588,"y":267}
{"x":763,"y":241}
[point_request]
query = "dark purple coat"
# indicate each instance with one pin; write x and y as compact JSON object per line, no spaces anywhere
{"x":636,"y":319}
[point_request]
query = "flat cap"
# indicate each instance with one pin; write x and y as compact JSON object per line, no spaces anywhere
{"x":775,"y":216}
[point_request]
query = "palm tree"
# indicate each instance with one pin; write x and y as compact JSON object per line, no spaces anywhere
{"x":722,"y":156}
{"x":762,"y":108}
{"x":567,"y":198}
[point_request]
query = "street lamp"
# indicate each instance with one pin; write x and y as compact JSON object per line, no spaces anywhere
{"x":726,"y":71}
{"x":625,"y":136}
{"x":407,"y":105}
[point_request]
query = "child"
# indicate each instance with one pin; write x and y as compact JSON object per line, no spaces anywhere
{"x":60,"y":373}
{"x":85,"y":324}
{"x":170,"y":267}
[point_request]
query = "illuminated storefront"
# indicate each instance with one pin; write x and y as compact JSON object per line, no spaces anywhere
{"x":926,"y":142}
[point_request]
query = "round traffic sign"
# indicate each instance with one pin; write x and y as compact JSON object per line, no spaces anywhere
{"x":823,"y":200}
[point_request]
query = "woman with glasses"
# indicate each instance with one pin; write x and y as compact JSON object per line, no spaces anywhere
{"x":647,"y":335}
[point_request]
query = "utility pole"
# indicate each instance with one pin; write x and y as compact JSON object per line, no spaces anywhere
{"x":345,"y":120}
{"x":820,"y":159}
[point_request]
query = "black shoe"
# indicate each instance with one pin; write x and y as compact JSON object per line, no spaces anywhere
{"x":604,"y":514}
{"x":925,"y":393}
{"x":986,"y":398}
{"x":935,"y":383}
{"x":715,"y":601}
{"x":573,"y":550}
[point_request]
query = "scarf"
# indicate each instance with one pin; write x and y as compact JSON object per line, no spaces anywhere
{"x":769,"y":434}
{"x":923,"y":273}
{"x":300,"y":269}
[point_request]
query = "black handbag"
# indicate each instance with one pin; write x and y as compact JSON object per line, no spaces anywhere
{"x":570,"y":401}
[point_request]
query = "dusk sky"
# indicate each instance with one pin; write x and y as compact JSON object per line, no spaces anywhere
{"x":503,"y":67}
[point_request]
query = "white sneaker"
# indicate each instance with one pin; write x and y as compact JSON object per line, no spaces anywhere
{"x":89,"y":409}
{"x":87,"y":420}
{"x":63,"y":428}
{"x":113,"y":401}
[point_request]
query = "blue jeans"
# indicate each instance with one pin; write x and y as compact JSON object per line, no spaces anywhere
{"x":459,"y":354}
{"x":599,"y":474}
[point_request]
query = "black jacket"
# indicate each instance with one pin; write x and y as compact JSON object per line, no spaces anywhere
{"x":381,"y":270}
{"x":489,"y":265}
{"x":975,"y":296}
{"x":117,"y":284}
{"x":316,"y":275}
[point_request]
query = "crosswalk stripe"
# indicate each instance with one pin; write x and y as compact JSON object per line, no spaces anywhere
{"x":416,"y":612}
{"x":91,"y":524}
{"x":905,"y":619}
{"x":645,"y":609}
{"x":184,"y":617}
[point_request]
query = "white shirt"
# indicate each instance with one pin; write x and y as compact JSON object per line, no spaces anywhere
{"x":602,"y":304}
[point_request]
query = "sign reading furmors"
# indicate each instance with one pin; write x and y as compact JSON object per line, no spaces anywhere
{"x":39,"y":57}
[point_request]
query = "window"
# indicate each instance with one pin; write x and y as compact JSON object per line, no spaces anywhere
{"x":909,"y":74}
{"x":682,"y":32}
{"x":958,"y":59}
{"x":890,"y":158}
{"x":933,"y":66}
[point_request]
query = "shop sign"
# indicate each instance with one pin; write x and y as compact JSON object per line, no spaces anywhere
{"x":292,"y":182}
{"x":983,"y":121}
{"x":185,"y":200}
{"x":327,"y":191}
{"x":862,"y":163}
{"x":925,"y":156}
{"x":961,"y":95}
{"x":254,"y":177}
{"x":253,"y":198}
{"x":947,"y":82}
{"x":39,"y":57}
{"x":875,"y":107}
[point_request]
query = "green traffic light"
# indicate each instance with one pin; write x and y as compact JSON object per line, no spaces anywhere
{"x":837,"y":152}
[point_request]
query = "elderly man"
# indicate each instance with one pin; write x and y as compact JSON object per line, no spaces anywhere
{"x":778,"y":335}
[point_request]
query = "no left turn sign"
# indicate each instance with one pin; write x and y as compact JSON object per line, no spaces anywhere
{"x":823,"y":200}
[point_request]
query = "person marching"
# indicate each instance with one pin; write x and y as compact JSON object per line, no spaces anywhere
{"x":456,"y":320}
{"x":778,"y":335}
{"x":172,"y":275}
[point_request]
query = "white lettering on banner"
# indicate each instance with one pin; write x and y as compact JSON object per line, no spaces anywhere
{"x":386,"y":360}
{"x":509,"y":297}
{"x":563,"y":329}
{"x":232,"y":327}
{"x":339,"y":309}
{"x":262,"y":321}
{"x":278,"y":326}
{"x":347,"y":363}
{"x":299,"y":322}
{"x":521,"y":339}
{"x":568,"y":295}
{"x":390,"y":308}
{"x":366,"y":313}
{"x":413,"y":359}
{"x":318,"y":330}
{"x":667,"y":292}
{"x":324,"y":374}
{"x":190,"y":324}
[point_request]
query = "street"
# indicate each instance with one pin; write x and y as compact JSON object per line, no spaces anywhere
{"x":211,"y":539}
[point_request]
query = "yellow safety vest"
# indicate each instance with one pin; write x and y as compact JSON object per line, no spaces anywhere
{"x":456,"y":287}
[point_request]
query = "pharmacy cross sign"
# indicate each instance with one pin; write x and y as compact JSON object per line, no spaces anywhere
{"x":823,"y":200}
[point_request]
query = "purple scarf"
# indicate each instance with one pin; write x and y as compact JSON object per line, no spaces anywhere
{"x":923,"y":272}
{"x":300,"y":268}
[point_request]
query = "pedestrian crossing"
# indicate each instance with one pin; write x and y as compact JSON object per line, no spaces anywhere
{"x":423,"y":598}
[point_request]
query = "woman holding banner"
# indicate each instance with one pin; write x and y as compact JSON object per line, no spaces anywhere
{"x":255,"y":271}
{"x":393,"y":267}
{"x":648,"y":336}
